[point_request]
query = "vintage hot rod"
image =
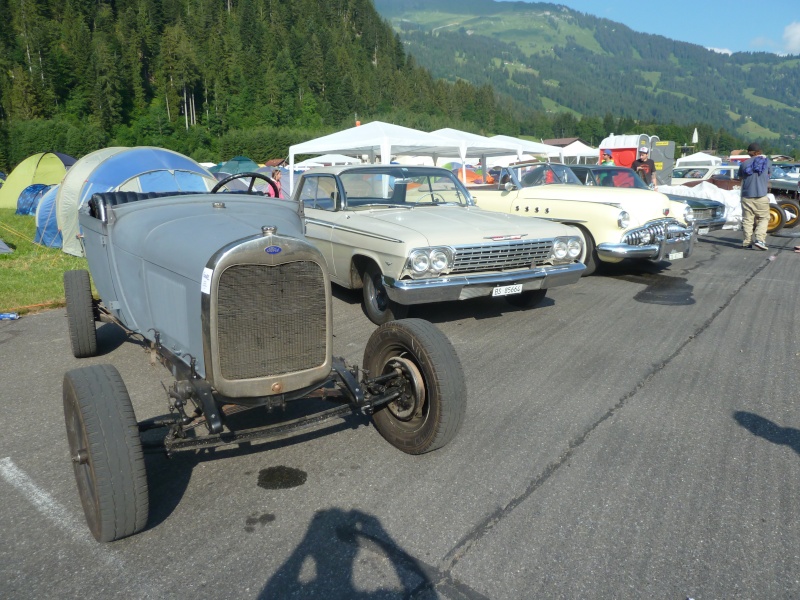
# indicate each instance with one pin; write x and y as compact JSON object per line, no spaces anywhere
{"x":226,"y":292}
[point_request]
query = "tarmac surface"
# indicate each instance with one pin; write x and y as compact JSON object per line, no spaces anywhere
{"x":636,"y":435}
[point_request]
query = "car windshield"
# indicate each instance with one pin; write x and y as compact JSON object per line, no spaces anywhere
{"x":544,"y":174}
{"x":406,"y":187}
{"x":689,"y":173}
{"x":777,"y":173}
{"x":618,"y":177}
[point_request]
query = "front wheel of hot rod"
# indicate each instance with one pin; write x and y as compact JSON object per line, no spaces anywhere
{"x":431,"y":407}
{"x":106,"y":452}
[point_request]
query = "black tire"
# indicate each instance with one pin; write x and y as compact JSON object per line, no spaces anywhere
{"x":432,"y":408}
{"x":526,"y":299}
{"x":791,"y":210}
{"x":80,"y":313}
{"x":777,"y":218}
{"x":590,"y":257}
{"x":106,"y":452}
{"x":379,"y":308}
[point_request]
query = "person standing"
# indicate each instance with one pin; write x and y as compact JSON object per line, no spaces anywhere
{"x":754,"y":174}
{"x":646,"y":168}
{"x":276,"y":177}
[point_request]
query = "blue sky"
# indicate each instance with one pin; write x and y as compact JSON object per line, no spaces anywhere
{"x":732,"y":26}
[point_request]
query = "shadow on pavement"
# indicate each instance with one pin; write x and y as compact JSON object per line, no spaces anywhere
{"x":322,"y":565}
{"x":772,"y":432}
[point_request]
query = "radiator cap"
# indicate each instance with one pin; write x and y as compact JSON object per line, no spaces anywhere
{"x":269,"y":229}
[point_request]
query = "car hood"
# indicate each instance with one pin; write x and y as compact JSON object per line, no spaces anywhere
{"x":641,"y":205}
{"x":457,"y":225}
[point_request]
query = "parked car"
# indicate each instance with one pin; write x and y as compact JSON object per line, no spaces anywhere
{"x":615,"y":223}
{"x":409,"y":235}
{"x":683,"y":175}
{"x":709,"y":215}
{"x":226,"y":291}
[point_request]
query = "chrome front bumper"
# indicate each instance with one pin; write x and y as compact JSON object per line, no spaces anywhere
{"x":463,"y":287}
{"x":656,"y":252}
{"x":711,"y":224}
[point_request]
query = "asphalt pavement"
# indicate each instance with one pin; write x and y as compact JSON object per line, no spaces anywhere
{"x":637,"y":435}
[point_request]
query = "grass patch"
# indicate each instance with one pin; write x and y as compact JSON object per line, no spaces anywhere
{"x":761,"y":101}
{"x":31,"y":277}
{"x":751,"y":129}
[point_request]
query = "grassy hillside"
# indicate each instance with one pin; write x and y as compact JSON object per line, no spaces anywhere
{"x":551,"y":58}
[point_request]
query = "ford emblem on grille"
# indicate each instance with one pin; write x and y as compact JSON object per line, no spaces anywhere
{"x":273,"y":249}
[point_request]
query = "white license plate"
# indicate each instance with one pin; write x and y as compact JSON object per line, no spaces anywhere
{"x":507,"y":290}
{"x":702,"y":231}
{"x":674,"y":255}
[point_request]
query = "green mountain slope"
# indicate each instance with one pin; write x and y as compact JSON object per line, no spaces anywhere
{"x":549,"y":57}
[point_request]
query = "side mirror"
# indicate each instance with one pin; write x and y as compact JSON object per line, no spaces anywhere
{"x":508,"y":186}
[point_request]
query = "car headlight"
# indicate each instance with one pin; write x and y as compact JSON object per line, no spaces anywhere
{"x":688,"y":215}
{"x":429,"y":261}
{"x":560,"y":249}
{"x":420,"y":261}
{"x":439,"y":260}
{"x":574,"y":247}
{"x":623,"y":220}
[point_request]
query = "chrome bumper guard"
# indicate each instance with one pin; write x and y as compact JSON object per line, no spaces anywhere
{"x":463,"y":287}
{"x":683,"y":241}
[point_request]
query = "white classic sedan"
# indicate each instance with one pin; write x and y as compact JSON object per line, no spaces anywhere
{"x":411,"y":235}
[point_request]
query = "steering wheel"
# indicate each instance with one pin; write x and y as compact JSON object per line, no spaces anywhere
{"x":436,"y":198}
{"x":252,"y":177}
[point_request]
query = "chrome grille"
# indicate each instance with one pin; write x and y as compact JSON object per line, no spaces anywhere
{"x":654,"y":232}
{"x":509,"y":254}
{"x":703,"y":214}
{"x":271,"y":320}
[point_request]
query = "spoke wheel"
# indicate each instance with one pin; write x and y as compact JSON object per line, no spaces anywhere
{"x":106,"y":452}
{"x":431,"y":404}
{"x":777,"y":218}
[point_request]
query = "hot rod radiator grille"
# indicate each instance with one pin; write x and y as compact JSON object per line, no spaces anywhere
{"x":501,"y":255}
{"x":271,"y":320}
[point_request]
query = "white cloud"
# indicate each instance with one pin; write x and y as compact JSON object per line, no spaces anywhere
{"x":791,"y":38}
{"x":721,"y":51}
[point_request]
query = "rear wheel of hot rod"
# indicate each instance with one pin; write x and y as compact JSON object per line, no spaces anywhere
{"x":777,"y":218}
{"x":80,"y":313}
{"x":431,"y":408}
{"x":106,"y":452}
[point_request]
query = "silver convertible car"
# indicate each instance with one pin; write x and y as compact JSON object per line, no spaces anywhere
{"x":411,"y":235}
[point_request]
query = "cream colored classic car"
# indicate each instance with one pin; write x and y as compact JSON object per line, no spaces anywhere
{"x":410,"y":235}
{"x":615,"y":223}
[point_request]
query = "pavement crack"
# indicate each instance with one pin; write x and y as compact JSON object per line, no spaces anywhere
{"x":466,"y":543}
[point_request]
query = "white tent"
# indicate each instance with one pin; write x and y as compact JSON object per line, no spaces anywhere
{"x":698,"y":159}
{"x":327,"y":159}
{"x":528,"y":146}
{"x":377,"y":140}
{"x":473,"y":145}
{"x":578,"y":153}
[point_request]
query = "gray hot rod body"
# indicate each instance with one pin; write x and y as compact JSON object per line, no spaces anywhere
{"x":160,"y":269}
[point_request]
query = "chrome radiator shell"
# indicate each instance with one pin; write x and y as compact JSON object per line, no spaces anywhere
{"x":266,"y":313}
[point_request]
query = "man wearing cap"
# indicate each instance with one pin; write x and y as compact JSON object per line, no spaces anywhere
{"x":645,"y":167}
{"x":754,"y":173}
{"x":608,"y":159}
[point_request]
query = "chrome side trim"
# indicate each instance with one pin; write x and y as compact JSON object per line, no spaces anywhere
{"x":352,"y":230}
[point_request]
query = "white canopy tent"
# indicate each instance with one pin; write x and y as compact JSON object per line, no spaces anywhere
{"x":698,"y":159}
{"x":377,"y":140}
{"x":579,"y":153}
{"x":328,"y":159}
{"x":473,"y":145}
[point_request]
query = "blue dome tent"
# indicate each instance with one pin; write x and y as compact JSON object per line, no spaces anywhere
{"x":29,"y":198}
{"x":47,"y":232}
{"x":140,"y":169}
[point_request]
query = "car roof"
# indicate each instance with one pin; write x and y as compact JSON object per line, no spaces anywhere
{"x":338,"y":169}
